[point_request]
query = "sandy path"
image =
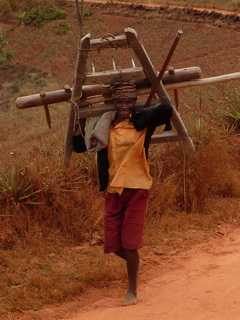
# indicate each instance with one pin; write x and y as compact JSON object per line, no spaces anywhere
{"x":206,"y":287}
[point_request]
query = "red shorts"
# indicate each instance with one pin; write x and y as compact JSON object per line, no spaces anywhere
{"x":124,"y":219}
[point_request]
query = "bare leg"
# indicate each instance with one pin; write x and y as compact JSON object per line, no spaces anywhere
{"x":132,"y":258}
{"x":132,"y":261}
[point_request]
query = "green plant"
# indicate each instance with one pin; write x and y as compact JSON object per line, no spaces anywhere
{"x":3,"y":41}
{"x":5,"y":9}
{"x":6,"y":55}
{"x":87,"y":12}
{"x":18,"y":187}
{"x":231,"y":114}
{"x":37,"y":16}
{"x":62,"y":28}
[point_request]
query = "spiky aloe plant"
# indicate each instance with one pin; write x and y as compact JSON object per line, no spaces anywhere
{"x":17,"y":186}
{"x":232,"y":114}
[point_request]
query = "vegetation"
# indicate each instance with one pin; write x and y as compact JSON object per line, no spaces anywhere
{"x":6,"y":55}
{"x":62,"y":28}
{"x":45,"y":272}
{"x":232,"y":115}
{"x":38,"y":16}
{"x":29,"y":12}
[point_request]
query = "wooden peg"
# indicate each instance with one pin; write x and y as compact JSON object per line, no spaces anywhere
{"x":133,"y":63}
{"x":114,"y":64}
{"x":48,"y":117}
{"x":67,"y":89}
{"x":93,"y":68}
{"x":171,"y":70}
{"x":46,"y":110}
{"x":42,"y":95}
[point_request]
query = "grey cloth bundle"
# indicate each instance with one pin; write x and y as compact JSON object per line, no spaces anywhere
{"x":97,"y":131}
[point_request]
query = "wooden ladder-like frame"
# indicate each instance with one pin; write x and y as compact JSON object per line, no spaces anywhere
{"x":127,"y":40}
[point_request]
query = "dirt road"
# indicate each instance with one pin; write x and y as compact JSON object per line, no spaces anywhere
{"x":190,"y":10}
{"x":205,"y":287}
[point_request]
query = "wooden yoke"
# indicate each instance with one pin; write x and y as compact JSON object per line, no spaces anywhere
{"x":151,"y":74}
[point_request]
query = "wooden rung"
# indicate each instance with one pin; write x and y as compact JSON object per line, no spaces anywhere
{"x":107,"y":76}
{"x":119,"y":41}
{"x":166,"y":136}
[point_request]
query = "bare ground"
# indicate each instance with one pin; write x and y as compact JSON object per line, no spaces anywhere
{"x":200,"y":284}
{"x":206,"y":286}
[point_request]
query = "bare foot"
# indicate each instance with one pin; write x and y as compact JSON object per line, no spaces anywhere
{"x":130,"y":299}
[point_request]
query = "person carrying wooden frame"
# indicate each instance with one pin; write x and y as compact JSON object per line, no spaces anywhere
{"x":124,"y":174}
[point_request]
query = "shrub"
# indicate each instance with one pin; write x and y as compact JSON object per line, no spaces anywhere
{"x":231,"y":114}
{"x":62,"y":28}
{"x":55,"y":201}
{"x":5,"y":9}
{"x":187,"y":183}
{"x":18,"y":187}
{"x":87,"y":12}
{"x":37,"y":16}
{"x":6,"y":55}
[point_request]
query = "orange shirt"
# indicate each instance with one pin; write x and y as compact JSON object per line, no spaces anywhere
{"x":128,"y":166}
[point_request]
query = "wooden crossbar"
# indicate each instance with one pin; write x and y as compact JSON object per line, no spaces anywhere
{"x":173,"y":80}
{"x":106,"y":76}
{"x":111,"y":41}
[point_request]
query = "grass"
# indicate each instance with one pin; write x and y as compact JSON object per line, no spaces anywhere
{"x":62,"y":28}
{"x":44,"y":273}
{"x":231,"y":115}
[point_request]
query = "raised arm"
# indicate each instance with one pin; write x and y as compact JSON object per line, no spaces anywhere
{"x":153,"y":116}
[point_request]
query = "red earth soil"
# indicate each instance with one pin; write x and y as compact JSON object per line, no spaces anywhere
{"x":207,"y":286}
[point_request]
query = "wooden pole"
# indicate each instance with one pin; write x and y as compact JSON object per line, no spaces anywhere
{"x":80,"y":13}
{"x":163,"y":69}
{"x":79,"y":77}
{"x":205,"y":81}
{"x":57,"y":96}
{"x":64,"y":95}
